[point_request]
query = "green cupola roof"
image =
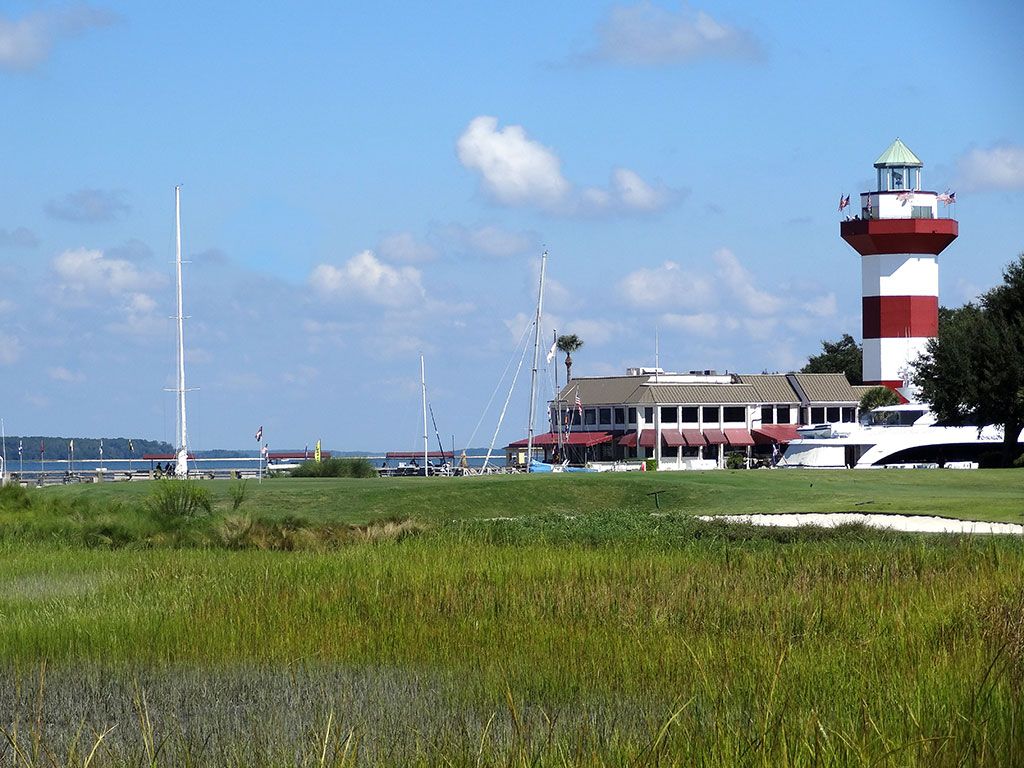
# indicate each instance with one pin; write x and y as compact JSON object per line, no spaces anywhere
{"x":898,"y":155}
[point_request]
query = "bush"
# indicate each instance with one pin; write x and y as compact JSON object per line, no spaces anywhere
{"x":735,"y":461}
{"x":1019,"y":462}
{"x":336,"y":468}
{"x":176,"y":500}
{"x":652,"y":464}
{"x":990,"y":460}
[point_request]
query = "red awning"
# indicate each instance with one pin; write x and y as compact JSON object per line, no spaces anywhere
{"x":628,"y":440}
{"x":715,"y":437}
{"x":775,"y":433}
{"x":694,"y":438}
{"x":672,"y":439}
{"x":739,"y":438}
{"x":647,"y":438}
{"x":586,"y":439}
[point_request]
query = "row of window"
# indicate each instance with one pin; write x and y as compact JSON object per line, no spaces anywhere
{"x":709,"y":414}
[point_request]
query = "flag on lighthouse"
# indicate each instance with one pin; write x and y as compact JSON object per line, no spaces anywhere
{"x":843,"y":201}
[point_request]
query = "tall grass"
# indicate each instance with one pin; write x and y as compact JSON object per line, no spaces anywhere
{"x":335,"y":467}
{"x":467,"y":646}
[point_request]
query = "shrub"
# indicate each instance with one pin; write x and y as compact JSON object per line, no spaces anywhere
{"x":652,"y":464}
{"x":335,"y":468}
{"x":238,"y":489}
{"x":735,"y":461}
{"x":175,"y":500}
{"x":1019,"y":461}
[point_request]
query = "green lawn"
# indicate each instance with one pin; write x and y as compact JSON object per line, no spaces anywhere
{"x":993,"y":495}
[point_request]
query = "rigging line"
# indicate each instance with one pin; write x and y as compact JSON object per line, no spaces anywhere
{"x":526,"y":331}
{"x":501,"y":418}
{"x":437,"y":434}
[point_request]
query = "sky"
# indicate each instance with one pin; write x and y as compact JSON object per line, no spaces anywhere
{"x":366,"y":182}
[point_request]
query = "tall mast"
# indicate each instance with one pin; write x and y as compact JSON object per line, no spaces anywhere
{"x":181,"y":466}
{"x":536,"y":355}
{"x":423,"y":386}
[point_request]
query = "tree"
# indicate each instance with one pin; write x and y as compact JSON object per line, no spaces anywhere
{"x":568,"y":344}
{"x":877,"y":397}
{"x":973,"y":372}
{"x":843,"y":356}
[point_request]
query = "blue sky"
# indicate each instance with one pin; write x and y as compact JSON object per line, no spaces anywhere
{"x":362,"y":182}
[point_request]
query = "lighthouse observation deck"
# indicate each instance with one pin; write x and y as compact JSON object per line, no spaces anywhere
{"x":899,"y":222}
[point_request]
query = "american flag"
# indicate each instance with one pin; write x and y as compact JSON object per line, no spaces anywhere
{"x":843,"y":201}
{"x":579,"y":404}
{"x":946,"y":197}
{"x":905,"y":197}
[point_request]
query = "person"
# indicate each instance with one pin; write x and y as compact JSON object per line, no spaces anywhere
{"x":775,"y":454}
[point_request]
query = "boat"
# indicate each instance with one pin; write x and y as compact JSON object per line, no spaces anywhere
{"x":906,"y":436}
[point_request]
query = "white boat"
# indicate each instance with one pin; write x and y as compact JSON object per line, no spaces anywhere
{"x":906,"y":435}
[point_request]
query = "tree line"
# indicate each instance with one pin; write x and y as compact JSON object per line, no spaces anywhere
{"x":56,"y":448}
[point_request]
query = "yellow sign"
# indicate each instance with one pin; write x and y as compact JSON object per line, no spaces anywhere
{"x":316,"y":454}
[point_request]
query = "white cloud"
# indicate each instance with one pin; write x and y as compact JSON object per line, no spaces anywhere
{"x":595,"y":332}
{"x":517,"y":171}
{"x":487,"y":240}
{"x":83,"y":270}
{"x":738,"y":281}
{"x":666,"y":287}
{"x":28,"y":41}
{"x":60,"y":373}
{"x":10,"y":349}
{"x":703,"y":324}
{"x":513,"y":168}
{"x":821,"y":306}
{"x":999,"y":167}
{"x":647,"y":35}
{"x":364,"y":276}
{"x":404,"y":248}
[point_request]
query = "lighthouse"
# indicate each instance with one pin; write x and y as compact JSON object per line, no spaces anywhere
{"x":899,"y":235}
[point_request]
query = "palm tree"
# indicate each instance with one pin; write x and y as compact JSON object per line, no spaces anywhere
{"x":568,"y":344}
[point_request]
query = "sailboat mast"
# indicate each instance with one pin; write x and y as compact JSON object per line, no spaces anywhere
{"x":423,"y":386}
{"x":536,"y":356}
{"x":181,"y":466}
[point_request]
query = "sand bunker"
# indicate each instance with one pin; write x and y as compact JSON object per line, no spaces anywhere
{"x":912,"y":523}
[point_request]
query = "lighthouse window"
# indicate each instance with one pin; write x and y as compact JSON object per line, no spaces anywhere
{"x":921,"y":212}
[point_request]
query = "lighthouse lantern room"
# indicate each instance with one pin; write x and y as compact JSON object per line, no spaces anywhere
{"x":899,"y":235}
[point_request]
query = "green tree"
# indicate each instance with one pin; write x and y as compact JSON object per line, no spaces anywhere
{"x":568,"y":344}
{"x":843,"y":356}
{"x":973,"y":372}
{"x":877,"y":397}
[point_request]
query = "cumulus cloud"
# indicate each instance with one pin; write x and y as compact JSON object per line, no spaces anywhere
{"x":821,"y":306}
{"x":82,"y":270}
{"x":366,"y":277}
{"x":695,"y":324}
{"x":515,"y":170}
{"x":88,"y":205}
{"x":487,"y":240}
{"x":735,"y":279}
{"x":19,"y":237}
{"x":665,"y":287}
{"x":403,"y":247}
{"x":999,"y":167}
{"x":648,"y":35}
{"x":28,"y":41}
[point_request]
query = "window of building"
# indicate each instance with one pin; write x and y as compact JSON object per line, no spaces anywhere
{"x":648,"y":414}
{"x":709,"y":413}
{"x":620,"y":415}
{"x":576,"y":417}
{"x":767,"y":414}
{"x":590,"y":416}
{"x":606,"y":415}
{"x":817,"y":414}
{"x":782,"y":415}
{"x":668,"y":414}
{"x":832,"y":413}
{"x":921,"y":212}
{"x":688,"y":414}
{"x":734,"y":413}
{"x":849,"y":415}
{"x":632,"y":415}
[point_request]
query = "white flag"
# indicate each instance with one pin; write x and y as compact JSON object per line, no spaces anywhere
{"x":551,"y":352}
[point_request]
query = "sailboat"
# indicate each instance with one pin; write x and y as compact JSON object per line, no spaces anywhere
{"x":181,"y":454}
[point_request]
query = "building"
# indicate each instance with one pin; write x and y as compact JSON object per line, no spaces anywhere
{"x":686,"y":421}
{"x":899,"y":236}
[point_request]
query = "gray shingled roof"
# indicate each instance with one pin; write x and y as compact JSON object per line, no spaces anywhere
{"x":827,"y":388}
{"x":698,"y":394}
{"x":770,"y":387}
{"x":603,"y":390}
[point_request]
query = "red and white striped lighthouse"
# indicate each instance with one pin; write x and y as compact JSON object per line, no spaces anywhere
{"x":899,"y":236}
